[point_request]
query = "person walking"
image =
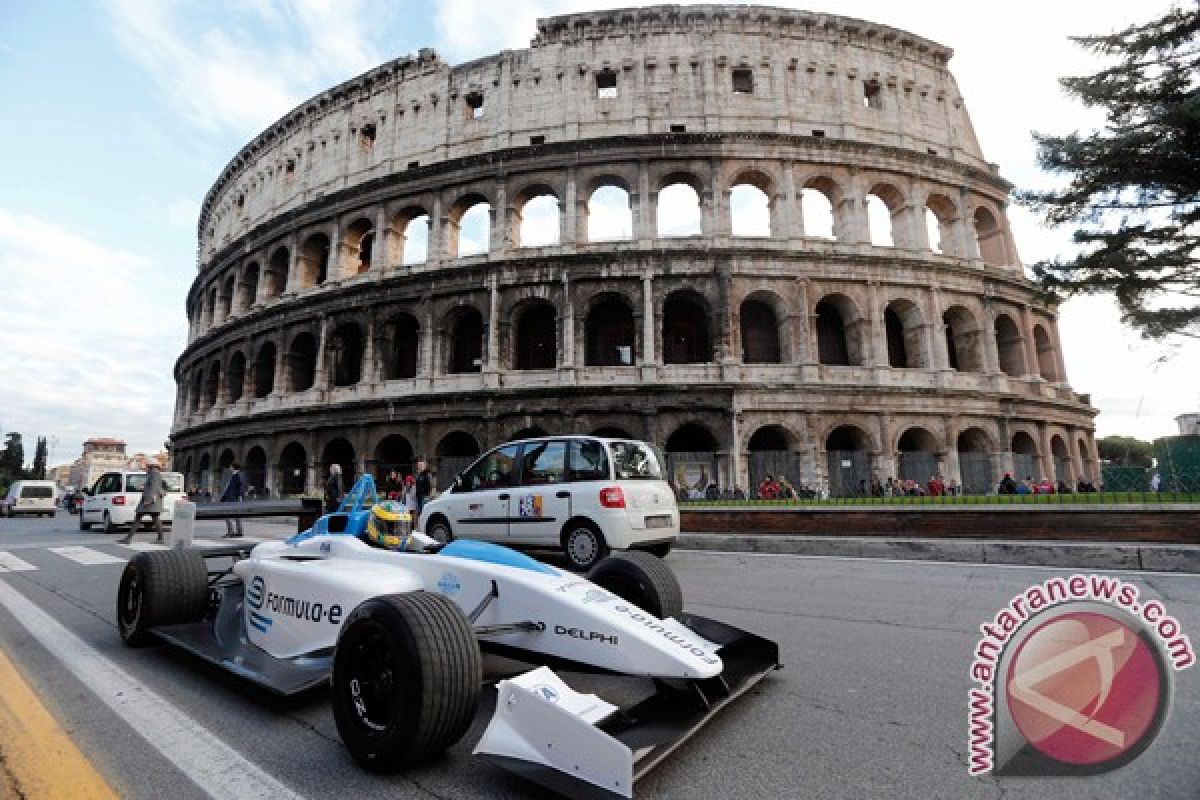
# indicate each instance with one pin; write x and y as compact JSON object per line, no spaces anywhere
{"x":150,"y":505}
{"x":234,"y":492}
{"x":333,"y":489}
{"x":424,"y":484}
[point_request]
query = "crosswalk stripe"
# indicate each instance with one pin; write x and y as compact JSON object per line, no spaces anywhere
{"x":225,"y":542}
{"x":10,"y":563}
{"x":86,"y":555}
{"x":142,"y":547}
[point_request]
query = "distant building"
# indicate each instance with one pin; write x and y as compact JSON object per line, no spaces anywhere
{"x":99,"y":456}
{"x":139,"y":461}
{"x":61,"y":475}
{"x":1189,"y":424}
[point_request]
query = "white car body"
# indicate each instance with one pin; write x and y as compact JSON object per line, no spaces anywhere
{"x":117,"y":494}
{"x":30,"y":497}
{"x":542,"y":495}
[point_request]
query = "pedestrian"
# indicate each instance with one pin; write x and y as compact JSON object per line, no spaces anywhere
{"x":333,"y":489}
{"x":1156,"y":482}
{"x":150,"y":505}
{"x":410,"y":496}
{"x":234,"y":492}
{"x":424,"y":486}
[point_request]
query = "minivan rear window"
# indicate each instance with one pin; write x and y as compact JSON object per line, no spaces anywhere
{"x":37,"y":491}
{"x":635,"y":461}
{"x":172,"y":482}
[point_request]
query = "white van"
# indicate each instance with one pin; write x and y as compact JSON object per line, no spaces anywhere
{"x":30,"y":497}
{"x":583,"y":494}
{"x":112,"y":501}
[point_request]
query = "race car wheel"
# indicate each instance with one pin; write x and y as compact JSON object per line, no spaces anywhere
{"x":661,"y":550}
{"x":584,"y":545}
{"x":641,"y":579}
{"x":406,"y":679}
{"x":162,"y":587}
{"x":439,"y":530}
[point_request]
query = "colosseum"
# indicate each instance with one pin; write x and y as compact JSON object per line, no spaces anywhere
{"x":764,"y":239}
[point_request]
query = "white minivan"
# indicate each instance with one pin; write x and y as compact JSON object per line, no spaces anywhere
{"x":30,"y":497}
{"x":583,"y":494}
{"x":113,"y":499}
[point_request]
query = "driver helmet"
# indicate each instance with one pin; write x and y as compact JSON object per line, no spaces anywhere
{"x":389,"y":525}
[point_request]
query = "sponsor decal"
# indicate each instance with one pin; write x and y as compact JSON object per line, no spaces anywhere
{"x":326,"y":547}
{"x":655,"y":625}
{"x":548,"y":693}
{"x":255,"y":594}
{"x":1073,"y":678}
{"x":449,"y":583}
{"x":597,"y":596}
{"x":569,"y":585}
{"x":282,"y":605}
{"x":586,"y":636}
{"x":530,"y":505}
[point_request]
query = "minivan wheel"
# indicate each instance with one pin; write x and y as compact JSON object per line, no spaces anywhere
{"x":584,"y":545}
{"x":107,"y":526}
{"x":83,"y":526}
{"x":439,"y":530}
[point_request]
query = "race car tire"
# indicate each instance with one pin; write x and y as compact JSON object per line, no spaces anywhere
{"x":641,"y":579}
{"x":583,"y":544}
{"x":161,"y":587}
{"x":407,"y":674}
{"x":439,"y":530}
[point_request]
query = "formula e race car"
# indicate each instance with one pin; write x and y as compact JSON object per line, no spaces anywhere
{"x":396,"y":624}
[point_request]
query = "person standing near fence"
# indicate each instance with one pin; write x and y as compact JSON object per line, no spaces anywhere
{"x":234,"y":492}
{"x":424,"y":486}
{"x":151,"y":504}
{"x":333,"y":488}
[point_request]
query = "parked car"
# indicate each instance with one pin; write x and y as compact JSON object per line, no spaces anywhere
{"x":30,"y":497}
{"x":584,"y":494}
{"x":113,"y":498}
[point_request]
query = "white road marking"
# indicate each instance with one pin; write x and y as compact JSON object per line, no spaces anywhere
{"x":215,"y":767}
{"x":10,"y":563}
{"x":226,"y":542}
{"x":86,"y":555}
{"x":142,"y":547}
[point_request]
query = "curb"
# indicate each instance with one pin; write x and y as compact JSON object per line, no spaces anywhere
{"x":1077,"y":555}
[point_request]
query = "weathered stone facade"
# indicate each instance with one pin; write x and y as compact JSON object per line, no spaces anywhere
{"x":316,"y":336}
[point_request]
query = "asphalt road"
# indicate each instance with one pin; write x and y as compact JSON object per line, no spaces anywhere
{"x":871,"y":703}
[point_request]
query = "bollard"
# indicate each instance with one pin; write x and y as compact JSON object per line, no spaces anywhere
{"x":183,"y":524}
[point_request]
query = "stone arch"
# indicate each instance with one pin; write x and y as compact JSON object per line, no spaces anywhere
{"x":678,"y":206}
{"x":264,"y":370}
{"x":1086,"y":463}
{"x":393,"y":454}
{"x":464,"y":340}
{"x":942,"y":229}
{"x":611,"y":432}
{"x":212,"y":385}
{"x":609,"y":212}
{"x":411,"y":226}
{"x":885,"y":215}
{"x":904,"y":326}
{"x":293,"y":469}
{"x":455,"y":452}
{"x":346,"y":345}
{"x":255,"y":471}
{"x":228,"y":292}
{"x":248,"y":287}
{"x":469,"y":226}
{"x":848,"y":456}
{"x":1047,"y":362}
{"x":277,"y":272}
{"x":1061,"y":455}
{"x":204,"y":473}
{"x":535,"y":339}
{"x":197,"y":391}
{"x":339,"y":450}
{"x":770,"y":438}
{"x":839,"y":334}
{"x":302,"y":362}
{"x":399,"y":346}
{"x":761,"y":327}
{"x":964,"y":345}
{"x":820,"y":208}
{"x":358,"y":247}
{"x":535,"y":216}
{"x":975,"y":448}
{"x":752,"y":207}
{"x":1025,"y":456}
{"x":989,"y":237}
{"x":312,"y":264}
{"x":685,"y":328}
{"x":235,"y":380}
{"x":917,"y":455}
{"x":610,"y":331}
{"x":1010,"y":346}
{"x":528,"y":432}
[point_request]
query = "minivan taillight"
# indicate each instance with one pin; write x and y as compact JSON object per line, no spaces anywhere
{"x":119,"y":500}
{"x":612,"y":497}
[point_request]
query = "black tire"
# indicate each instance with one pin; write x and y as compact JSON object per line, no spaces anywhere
{"x":83,"y":526}
{"x":439,"y":529}
{"x":107,"y":525}
{"x":161,"y":587}
{"x":407,"y":675}
{"x":641,"y":579}
{"x":660,"y":550}
{"x":583,"y":544}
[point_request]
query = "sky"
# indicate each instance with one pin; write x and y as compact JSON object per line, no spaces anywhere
{"x":116,"y":116}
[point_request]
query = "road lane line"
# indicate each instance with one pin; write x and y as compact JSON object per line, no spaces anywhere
{"x":142,"y":547}
{"x":86,"y":555}
{"x":10,"y":563}
{"x":40,"y":759}
{"x":212,"y":765}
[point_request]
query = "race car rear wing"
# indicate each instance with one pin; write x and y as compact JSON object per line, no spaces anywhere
{"x":584,"y":747}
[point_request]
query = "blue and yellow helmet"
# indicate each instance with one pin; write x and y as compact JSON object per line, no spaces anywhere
{"x":389,"y":525}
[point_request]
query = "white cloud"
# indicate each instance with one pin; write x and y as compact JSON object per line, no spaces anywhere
{"x":90,"y":336}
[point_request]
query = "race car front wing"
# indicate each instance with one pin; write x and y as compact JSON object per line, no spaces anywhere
{"x":584,"y":747}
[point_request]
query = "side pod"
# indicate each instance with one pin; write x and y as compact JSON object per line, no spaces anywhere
{"x":584,"y":747}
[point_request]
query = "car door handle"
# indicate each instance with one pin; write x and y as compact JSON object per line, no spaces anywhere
{"x":502,"y":496}
{"x":562,"y":495}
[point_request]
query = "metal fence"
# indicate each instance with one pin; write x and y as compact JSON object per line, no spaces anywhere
{"x":849,"y":473}
{"x":692,"y":473}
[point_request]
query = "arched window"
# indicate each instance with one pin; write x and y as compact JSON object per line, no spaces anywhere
{"x":255,"y":470}
{"x":1024,"y":454}
{"x":749,"y":210}
{"x":393,"y":460}
{"x":473,"y":229}
{"x":465,"y":350}
{"x":610,"y":334}
{"x":679,"y":210}
{"x":989,"y":237}
{"x":197,"y":393}
{"x":848,"y":459}
{"x":340,"y":451}
{"x":346,"y":354}
{"x":212,"y":387}
{"x":975,"y":461}
{"x":249,"y":288}
{"x":302,"y":362}
{"x":879,"y":222}
{"x":917,"y":456}
{"x":609,"y":216}
{"x":941,"y":224}
{"x":933,"y":231}
{"x":1010,"y":346}
{"x":237,"y":376}
{"x":760,"y":333}
{"x":264,"y":370}
{"x":685,"y":330}
{"x":359,"y":247}
{"x":277,"y":273}
{"x":314,"y":261}
{"x":537,"y":220}
{"x":1062,"y":459}
{"x":293,"y":468}
{"x":838,"y":335}
{"x":535,"y":344}
{"x":401,"y":337}
{"x":416,"y":240}
{"x":816,"y":208}
{"x":455,"y":452}
{"x":905,"y":329}
{"x":963,"y":346}
{"x":228,"y":290}
{"x":1047,"y":365}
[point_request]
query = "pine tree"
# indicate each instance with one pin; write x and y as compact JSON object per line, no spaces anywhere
{"x":1135,"y":185}
{"x":12,"y":458}
{"x":39,"y":460}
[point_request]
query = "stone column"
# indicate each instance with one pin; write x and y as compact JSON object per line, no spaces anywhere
{"x":281,"y":360}
{"x":500,"y":239}
{"x":333,"y":271}
{"x":320,"y":378}
{"x":370,"y":365}
{"x":644,"y":202}
{"x":381,"y":259}
{"x":1060,"y":361}
{"x":292,"y":281}
{"x":649,"y":356}
{"x":435,"y":244}
{"x":787,"y":218}
{"x":1032,"y":365}
{"x":877,"y":356}
{"x":568,"y":212}
{"x":988,"y":343}
{"x":426,"y":368}
{"x":939,"y":357}
{"x":492,"y":351}
{"x":735,"y":450}
{"x":715,"y":217}
{"x":567,"y":315}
